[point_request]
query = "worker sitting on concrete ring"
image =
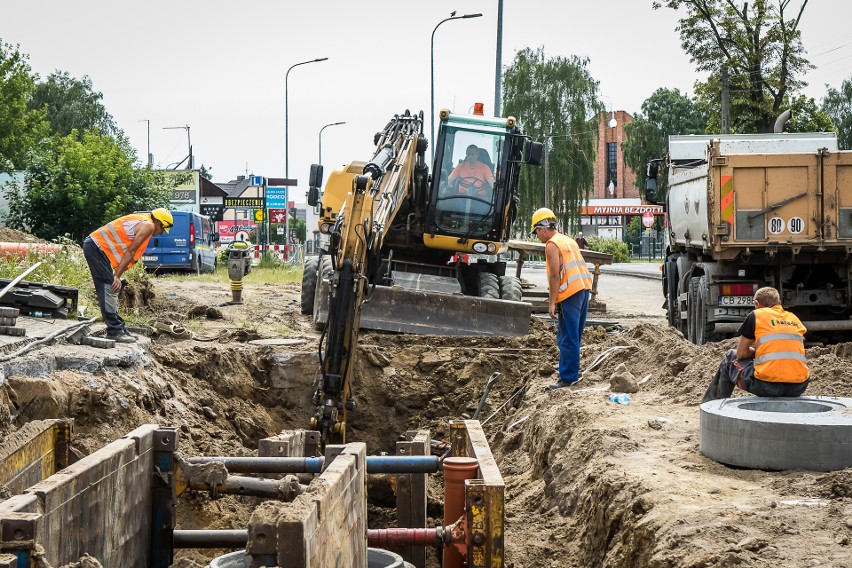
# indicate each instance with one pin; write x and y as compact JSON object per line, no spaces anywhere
{"x":770,"y":357}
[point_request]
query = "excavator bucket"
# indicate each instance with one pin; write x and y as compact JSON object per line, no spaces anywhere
{"x":403,"y":310}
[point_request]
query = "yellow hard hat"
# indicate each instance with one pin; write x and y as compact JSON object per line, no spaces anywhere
{"x":541,"y":215}
{"x":164,"y":216}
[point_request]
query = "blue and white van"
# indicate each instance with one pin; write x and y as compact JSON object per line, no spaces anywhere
{"x":188,"y":247}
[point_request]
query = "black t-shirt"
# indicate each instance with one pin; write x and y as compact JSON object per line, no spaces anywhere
{"x":747,"y":328}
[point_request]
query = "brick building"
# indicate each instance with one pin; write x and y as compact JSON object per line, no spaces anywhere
{"x":609,"y":164}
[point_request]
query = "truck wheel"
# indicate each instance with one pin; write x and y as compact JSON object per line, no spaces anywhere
{"x":309,"y":284}
{"x":489,"y":285}
{"x":694,"y":308}
{"x":705,"y":328}
{"x":672,"y":300}
{"x":510,"y":288}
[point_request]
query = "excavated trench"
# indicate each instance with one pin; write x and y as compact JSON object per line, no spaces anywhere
{"x":588,"y":482}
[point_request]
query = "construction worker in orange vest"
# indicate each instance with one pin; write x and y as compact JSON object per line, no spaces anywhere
{"x":569,"y":283}
{"x":110,"y":251}
{"x":770,"y":357}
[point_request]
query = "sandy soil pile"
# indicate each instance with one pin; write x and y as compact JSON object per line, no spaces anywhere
{"x":589,"y":483}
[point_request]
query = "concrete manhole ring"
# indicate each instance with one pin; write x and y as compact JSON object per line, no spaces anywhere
{"x":778,"y":433}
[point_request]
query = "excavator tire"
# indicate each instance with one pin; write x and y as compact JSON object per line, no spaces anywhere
{"x":489,"y":285}
{"x":510,"y":288}
{"x":323,"y":273}
{"x":309,"y":284}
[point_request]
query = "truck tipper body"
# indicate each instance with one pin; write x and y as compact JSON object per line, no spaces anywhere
{"x":747,"y":211}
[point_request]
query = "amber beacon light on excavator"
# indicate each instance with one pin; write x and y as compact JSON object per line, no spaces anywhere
{"x":413,"y":250}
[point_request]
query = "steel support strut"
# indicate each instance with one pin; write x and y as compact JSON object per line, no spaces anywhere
{"x":163,"y":498}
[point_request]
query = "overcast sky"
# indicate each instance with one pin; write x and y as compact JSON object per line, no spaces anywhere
{"x":219,"y":66}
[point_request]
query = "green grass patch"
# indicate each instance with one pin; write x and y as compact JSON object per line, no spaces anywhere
{"x":274,"y":274}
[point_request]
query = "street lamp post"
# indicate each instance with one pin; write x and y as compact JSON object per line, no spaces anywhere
{"x":188,"y":143}
{"x":432,"y":107}
{"x":149,"y":158}
{"x":319,"y":161}
{"x":287,"y":143}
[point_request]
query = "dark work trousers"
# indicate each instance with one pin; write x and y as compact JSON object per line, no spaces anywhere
{"x":102,"y":275}
{"x":730,"y":369}
{"x":571,"y":321}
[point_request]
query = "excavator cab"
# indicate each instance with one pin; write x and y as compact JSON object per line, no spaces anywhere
{"x":471,"y":202}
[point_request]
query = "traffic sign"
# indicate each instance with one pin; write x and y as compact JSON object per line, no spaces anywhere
{"x":647,"y":218}
{"x":276,"y":197}
{"x":256,"y":180}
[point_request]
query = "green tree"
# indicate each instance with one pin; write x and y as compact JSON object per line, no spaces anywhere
{"x":20,"y":127}
{"x":71,"y":104}
{"x":760,"y":44}
{"x":665,"y":112}
{"x":837,"y":104}
{"x":554,"y":97}
{"x":74,"y":185}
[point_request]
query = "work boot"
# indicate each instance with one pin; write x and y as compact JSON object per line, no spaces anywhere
{"x":123,"y":337}
{"x":561,"y":384}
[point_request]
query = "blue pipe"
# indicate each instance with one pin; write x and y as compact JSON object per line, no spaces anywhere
{"x":375,"y":464}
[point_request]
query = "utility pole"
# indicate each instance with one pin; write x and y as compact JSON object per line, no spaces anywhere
{"x":547,"y":169}
{"x":498,"y":72}
{"x":726,"y":101}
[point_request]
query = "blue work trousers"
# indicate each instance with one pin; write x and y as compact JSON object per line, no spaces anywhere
{"x":571,"y":321}
{"x":102,"y":275}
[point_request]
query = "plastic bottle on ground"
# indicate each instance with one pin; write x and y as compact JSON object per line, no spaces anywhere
{"x":619,"y":398}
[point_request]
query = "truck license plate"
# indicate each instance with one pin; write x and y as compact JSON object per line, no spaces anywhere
{"x":736,"y":301}
{"x":149,"y":259}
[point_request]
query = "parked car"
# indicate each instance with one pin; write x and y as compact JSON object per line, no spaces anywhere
{"x":188,"y":247}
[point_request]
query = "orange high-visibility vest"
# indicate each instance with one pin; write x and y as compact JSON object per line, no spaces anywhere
{"x":573,"y":274}
{"x":114,"y":240}
{"x":779,"y":346}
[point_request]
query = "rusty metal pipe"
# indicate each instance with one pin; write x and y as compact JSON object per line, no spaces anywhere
{"x":282,"y":490}
{"x":399,"y":537}
{"x":263,"y":464}
{"x":210,"y":538}
{"x":456,"y":471}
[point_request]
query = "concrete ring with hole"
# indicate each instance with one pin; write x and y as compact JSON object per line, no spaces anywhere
{"x":812,"y":433}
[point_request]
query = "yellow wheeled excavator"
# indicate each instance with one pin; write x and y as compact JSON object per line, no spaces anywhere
{"x":412,"y":252}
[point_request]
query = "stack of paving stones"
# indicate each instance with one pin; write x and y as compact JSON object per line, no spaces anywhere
{"x":8,"y":321}
{"x":101,"y":342}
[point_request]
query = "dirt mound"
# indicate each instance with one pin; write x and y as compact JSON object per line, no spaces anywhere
{"x":8,"y":235}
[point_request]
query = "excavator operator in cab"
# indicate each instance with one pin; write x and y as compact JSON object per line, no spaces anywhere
{"x":472,"y":176}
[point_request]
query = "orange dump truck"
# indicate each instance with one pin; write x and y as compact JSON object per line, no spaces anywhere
{"x":746,"y":211}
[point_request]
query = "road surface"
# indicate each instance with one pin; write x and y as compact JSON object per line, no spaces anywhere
{"x":629,"y":299}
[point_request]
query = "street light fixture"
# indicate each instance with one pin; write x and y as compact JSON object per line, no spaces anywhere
{"x":287,"y":113}
{"x":319,"y":161}
{"x":287,"y":141}
{"x":188,"y":142}
{"x":432,"y":107}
